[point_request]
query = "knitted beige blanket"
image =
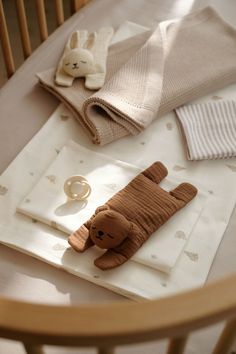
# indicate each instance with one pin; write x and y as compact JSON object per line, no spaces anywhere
{"x":151,"y":74}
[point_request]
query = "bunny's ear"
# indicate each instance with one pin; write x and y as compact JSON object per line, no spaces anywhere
{"x":74,"y":40}
{"x":78,"y":39}
{"x":89,"y":43}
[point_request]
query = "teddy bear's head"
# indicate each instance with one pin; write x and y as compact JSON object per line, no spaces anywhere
{"x":78,"y":62}
{"x":109,"y":229}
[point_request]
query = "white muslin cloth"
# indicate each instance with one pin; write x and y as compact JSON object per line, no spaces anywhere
{"x":47,"y":202}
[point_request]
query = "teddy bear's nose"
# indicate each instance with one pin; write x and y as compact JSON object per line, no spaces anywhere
{"x":100,"y":233}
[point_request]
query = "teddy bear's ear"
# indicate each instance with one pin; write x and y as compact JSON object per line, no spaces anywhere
{"x":102,"y":208}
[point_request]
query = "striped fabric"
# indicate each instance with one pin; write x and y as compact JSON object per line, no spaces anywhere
{"x":209,"y":129}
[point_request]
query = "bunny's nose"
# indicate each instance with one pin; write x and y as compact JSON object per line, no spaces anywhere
{"x":100,"y":233}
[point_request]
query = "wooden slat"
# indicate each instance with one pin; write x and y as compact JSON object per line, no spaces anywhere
{"x":33,"y":349}
{"x":42,"y":19}
{"x":226,"y":339}
{"x":23,"y":28}
{"x":5,"y":42}
{"x":76,"y":5}
{"x":177,"y":345}
{"x":59,"y":11}
{"x":105,"y":351}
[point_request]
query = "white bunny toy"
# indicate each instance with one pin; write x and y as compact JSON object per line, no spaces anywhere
{"x":85,"y":56}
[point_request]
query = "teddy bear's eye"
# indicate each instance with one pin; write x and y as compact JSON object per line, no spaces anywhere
{"x":110,"y":236}
{"x":67,"y":63}
{"x":93,"y":227}
{"x":84,"y":62}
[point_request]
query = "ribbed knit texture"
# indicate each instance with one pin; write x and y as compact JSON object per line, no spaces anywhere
{"x":209,"y":129}
{"x":144,"y":203}
{"x":153,"y":73}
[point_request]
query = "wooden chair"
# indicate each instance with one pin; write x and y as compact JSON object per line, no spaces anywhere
{"x":106,"y":326}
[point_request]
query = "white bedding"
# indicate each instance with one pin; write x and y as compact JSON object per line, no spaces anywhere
{"x":46,"y":202}
{"x":132,"y":279}
{"x":162,"y":141}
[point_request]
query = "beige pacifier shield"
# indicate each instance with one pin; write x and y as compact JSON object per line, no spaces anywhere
{"x":77,"y":188}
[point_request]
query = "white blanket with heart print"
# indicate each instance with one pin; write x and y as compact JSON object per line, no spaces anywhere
{"x":46,"y":202}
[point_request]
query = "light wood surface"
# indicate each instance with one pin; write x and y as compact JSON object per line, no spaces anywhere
{"x":24,"y":32}
{"x":59,"y":11}
{"x":40,"y":6}
{"x":77,"y":5}
{"x":177,"y":345}
{"x":33,"y":349}
{"x":5,"y":42}
{"x":226,"y":339}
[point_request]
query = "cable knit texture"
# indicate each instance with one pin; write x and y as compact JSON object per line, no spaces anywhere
{"x":128,"y":219}
{"x":151,"y":74}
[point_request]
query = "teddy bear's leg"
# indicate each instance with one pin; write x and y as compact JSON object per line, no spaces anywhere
{"x":109,"y":260}
{"x":184,"y":193}
{"x":156,"y":172}
{"x":122,"y":253}
{"x":80,"y":240}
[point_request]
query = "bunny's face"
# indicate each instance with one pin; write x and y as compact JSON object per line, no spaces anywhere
{"x":78,"y":63}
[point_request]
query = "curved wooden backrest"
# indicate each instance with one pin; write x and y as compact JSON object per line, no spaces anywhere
{"x":106,"y":326}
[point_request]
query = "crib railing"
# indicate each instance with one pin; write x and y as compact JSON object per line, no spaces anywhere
{"x":76,"y":5}
{"x":106,"y":326}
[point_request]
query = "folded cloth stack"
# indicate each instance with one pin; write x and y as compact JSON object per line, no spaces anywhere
{"x":111,"y":185}
{"x":153,"y":73}
{"x":209,"y":129}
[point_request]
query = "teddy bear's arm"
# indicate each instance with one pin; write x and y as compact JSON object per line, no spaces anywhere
{"x":79,"y":239}
{"x":156,"y":172}
{"x":120,"y":254}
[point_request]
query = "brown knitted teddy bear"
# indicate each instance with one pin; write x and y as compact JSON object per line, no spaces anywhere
{"x":128,"y":219}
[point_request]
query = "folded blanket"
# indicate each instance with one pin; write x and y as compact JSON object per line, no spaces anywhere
{"x":152,"y":73}
{"x":209,"y":129}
